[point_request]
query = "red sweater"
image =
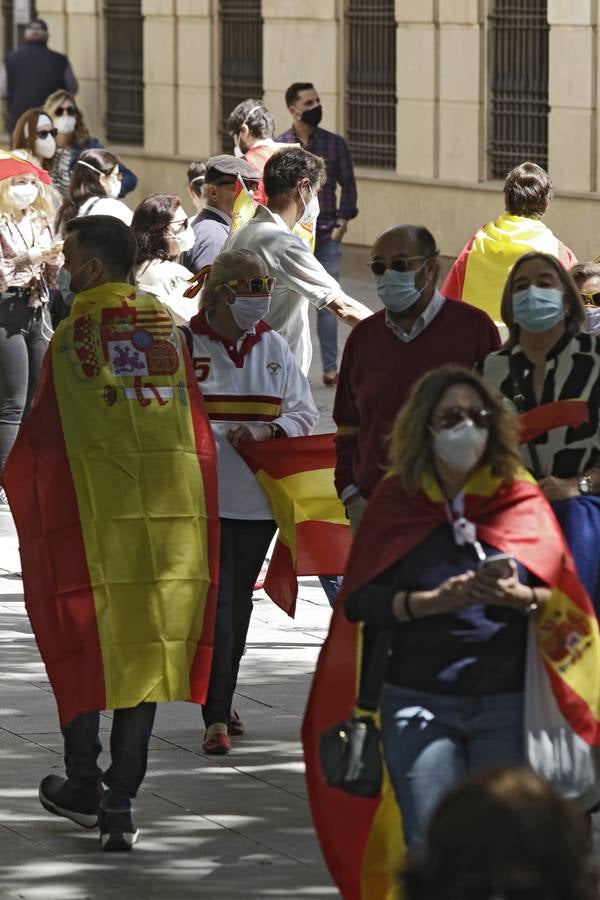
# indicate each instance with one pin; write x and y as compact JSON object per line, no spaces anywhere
{"x":377,"y":371}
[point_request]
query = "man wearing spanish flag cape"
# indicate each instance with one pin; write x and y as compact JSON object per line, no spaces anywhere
{"x":113,"y":490}
{"x":479,"y":273}
{"x":465,"y":635}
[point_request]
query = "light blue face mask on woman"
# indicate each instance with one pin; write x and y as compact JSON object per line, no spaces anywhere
{"x":397,"y":290}
{"x":538,"y":309}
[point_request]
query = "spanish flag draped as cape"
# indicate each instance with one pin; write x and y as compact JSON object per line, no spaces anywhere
{"x":481,"y":269}
{"x":112,"y":484}
{"x":361,"y":839}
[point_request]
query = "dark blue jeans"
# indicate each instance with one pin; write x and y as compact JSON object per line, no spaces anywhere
{"x":431,"y":741}
{"x":329,"y":254}
{"x":24,"y":336}
{"x":129,"y":739}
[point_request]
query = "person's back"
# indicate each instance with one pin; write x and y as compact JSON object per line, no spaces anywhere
{"x":480,"y":271}
{"x":34,"y":71}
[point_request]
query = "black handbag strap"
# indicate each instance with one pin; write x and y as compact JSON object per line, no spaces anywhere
{"x":377,"y":643}
{"x":518,"y":398}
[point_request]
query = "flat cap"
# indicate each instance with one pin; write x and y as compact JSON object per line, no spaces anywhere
{"x":226,"y":165}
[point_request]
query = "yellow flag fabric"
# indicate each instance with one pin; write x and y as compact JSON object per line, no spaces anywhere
{"x":494,"y":251}
{"x":120,"y":437}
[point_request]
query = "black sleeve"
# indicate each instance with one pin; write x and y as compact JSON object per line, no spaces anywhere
{"x":372,"y":604}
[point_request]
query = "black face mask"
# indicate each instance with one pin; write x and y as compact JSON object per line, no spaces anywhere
{"x":312,"y":116}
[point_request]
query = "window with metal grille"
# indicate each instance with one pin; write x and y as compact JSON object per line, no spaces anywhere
{"x":124,"y":67}
{"x":16,"y":15}
{"x":518,"y":41}
{"x":371,"y":82}
{"x":240,"y":24}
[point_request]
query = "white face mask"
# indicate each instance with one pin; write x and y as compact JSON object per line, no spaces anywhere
{"x":112,"y":186}
{"x":592,"y":319}
{"x":311,"y":209}
{"x":65,"y":124}
{"x":23,"y":195}
{"x":461,"y":447}
{"x":185,"y":240}
{"x":248,"y":311}
{"x":45,"y":148}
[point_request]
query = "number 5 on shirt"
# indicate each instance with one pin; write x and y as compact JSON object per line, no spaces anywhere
{"x":201,"y":367}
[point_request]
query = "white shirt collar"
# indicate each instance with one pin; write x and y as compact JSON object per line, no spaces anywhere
{"x":425,"y":319}
{"x":265,"y":142}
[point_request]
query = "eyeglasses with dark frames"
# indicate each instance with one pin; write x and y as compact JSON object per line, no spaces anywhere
{"x":401,"y":264}
{"x":454,"y":415}
{"x":44,"y":132}
{"x":65,"y":111}
{"x":179,"y":226}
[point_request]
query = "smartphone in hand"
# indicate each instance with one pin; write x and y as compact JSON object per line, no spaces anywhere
{"x":499,"y":565}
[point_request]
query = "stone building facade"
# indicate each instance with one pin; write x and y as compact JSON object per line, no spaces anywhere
{"x":444,"y":102}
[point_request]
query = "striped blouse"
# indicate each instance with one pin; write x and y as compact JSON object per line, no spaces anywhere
{"x":572,"y":373}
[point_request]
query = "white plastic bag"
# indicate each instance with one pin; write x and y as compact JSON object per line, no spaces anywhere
{"x":552,"y":748}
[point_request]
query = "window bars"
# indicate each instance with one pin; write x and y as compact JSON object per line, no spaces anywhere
{"x":518,"y":37}
{"x":371,"y":82}
{"x":124,"y":66}
{"x":240,"y":27}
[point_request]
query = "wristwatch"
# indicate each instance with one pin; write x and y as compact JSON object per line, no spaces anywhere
{"x":276,"y":430}
{"x":585,"y":484}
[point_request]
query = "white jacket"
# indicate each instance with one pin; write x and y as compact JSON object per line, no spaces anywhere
{"x":300,"y":278}
{"x":168,"y":280}
{"x":257,"y":380}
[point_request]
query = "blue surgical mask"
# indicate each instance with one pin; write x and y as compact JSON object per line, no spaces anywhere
{"x":64,"y":286}
{"x":538,"y":309}
{"x":397,"y":290}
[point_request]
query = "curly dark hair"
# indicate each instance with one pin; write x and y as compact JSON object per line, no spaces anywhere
{"x":287,"y":167}
{"x":497,"y":827}
{"x":85,"y":183}
{"x":255,"y":115}
{"x":527,"y":191}
{"x":151,"y":218}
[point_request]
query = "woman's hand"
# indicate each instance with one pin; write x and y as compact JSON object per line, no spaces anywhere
{"x":248,"y":432}
{"x":559,"y":488}
{"x":500,"y":585}
{"x":49,"y":255}
{"x":449,"y":596}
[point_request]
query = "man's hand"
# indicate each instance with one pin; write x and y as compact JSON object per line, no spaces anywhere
{"x":350,"y":311}
{"x":559,"y":488}
{"x":339,"y":231}
{"x":248,"y":432}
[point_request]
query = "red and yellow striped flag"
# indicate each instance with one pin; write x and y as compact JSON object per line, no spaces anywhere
{"x":481,"y":269}
{"x":314,"y":534}
{"x":112,"y":484}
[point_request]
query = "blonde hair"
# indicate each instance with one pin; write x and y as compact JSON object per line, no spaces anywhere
{"x":410,"y":453}
{"x":51,"y":104}
{"x":229,"y":265}
{"x":44,"y":205}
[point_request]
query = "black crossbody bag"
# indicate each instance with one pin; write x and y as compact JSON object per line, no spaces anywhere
{"x":350,"y":752}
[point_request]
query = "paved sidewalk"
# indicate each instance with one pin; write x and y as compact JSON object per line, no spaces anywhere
{"x":229,"y":827}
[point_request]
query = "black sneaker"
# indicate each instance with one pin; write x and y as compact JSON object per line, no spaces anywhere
{"x":80,"y":805}
{"x":117,"y":831}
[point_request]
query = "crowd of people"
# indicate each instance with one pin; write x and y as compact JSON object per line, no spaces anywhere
{"x":469,"y":535}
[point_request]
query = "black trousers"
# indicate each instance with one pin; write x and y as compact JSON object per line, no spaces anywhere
{"x":25,"y":332}
{"x":244,"y":543}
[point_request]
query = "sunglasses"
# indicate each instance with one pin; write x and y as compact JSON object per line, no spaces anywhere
{"x":401,"y":264}
{"x":180,"y":226}
{"x":65,"y":111}
{"x":591,"y":299}
{"x":454,"y":415}
{"x":44,"y":132}
{"x":262,"y":284}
